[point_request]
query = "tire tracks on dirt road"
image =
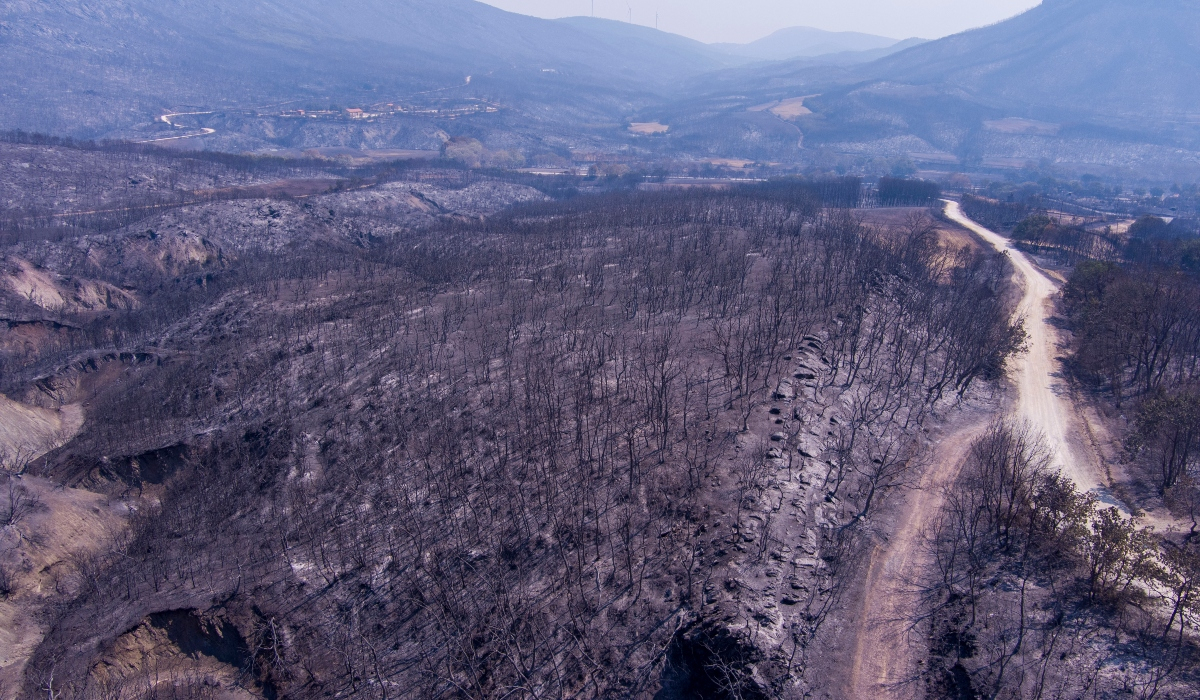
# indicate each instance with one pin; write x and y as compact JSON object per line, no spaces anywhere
{"x":887,"y":650}
{"x":1043,"y":396}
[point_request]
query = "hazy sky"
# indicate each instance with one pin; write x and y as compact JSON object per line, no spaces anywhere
{"x":747,"y":20}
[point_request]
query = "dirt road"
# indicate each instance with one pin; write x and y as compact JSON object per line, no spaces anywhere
{"x":885,"y":652}
{"x":1043,"y":398}
{"x":166,"y":119}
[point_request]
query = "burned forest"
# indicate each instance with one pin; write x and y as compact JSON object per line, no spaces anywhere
{"x":470,"y":350}
{"x":458,"y":440}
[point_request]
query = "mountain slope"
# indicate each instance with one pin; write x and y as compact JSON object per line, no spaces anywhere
{"x":844,"y":58}
{"x":86,"y":68}
{"x":668,"y":49}
{"x":1101,"y":86}
{"x":1115,"y":61}
{"x":1124,"y":57}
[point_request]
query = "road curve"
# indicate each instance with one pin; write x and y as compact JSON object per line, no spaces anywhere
{"x":204,"y":131}
{"x":166,"y":119}
{"x":1043,"y":398}
{"x":886,"y":649}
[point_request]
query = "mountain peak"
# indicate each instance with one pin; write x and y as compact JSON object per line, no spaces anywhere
{"x":1112,"y":57}
{"x":806,"y":42}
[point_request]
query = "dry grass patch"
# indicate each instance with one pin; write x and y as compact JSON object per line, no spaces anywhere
{"x":28,"y":432}
{"x":791,"y":108}
{"x":648,"y":128}
{"x":950,"y":238}
{"x":731,"y":162}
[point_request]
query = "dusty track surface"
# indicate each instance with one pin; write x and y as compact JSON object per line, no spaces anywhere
{"x":1043,"y":398}
{"x":887,"y":647}
{"x":886,"y":652}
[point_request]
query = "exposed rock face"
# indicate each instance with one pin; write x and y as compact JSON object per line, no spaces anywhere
{"x":182,"y":651}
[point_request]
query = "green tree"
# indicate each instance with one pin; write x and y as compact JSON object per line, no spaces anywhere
{"x":1167,"y":427}
{"x":1118,"y":554}
{"x":1033,"y":228}
{"x":1148,"y":227}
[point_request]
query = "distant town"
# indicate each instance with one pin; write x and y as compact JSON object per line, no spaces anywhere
{"x":449,"y":109}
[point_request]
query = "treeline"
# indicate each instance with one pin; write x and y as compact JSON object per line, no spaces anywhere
{"x":1038,"y":591}
{"x":232,"y":161}
{"x":838,"y":193}
{"x":236,"y":162}
{"x":1067,"y":242}
{"x":1137,"y":330}
{"x":904,"y":192}
{"x":34,"y":223}
{"x":1154,"y":242}
{"x":100,"y":187}
{"x":1150,"y":241}
{"x":503,"y":457}
{"x":1137,"y":334}
{"x":997,"y":215}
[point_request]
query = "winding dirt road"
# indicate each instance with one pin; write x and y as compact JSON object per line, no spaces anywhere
{"x":886,"y":649}
{"x":1043,"y":398}
{"x":166,"y":119}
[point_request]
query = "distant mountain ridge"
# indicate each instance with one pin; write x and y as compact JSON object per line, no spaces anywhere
{"x":1104,"y":81}
{"x":1094,"y":85}
{"x":616,"y":34}
{"x":84,"y":68}
{"x":1121,"y":58}
{"x":1064,"y":59}
{"x":807,"y":42}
